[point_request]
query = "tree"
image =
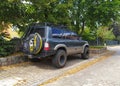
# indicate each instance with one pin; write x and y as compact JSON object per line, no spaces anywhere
{"x":12,"y":11}
{"x":94,"y":13}
{"x":24,"y":12}
{"x":116,"y":29}
{"x":81,"y":13}
{"x":88,"y":34}
{"x":55,"y":11}
{"x":105,"y":34}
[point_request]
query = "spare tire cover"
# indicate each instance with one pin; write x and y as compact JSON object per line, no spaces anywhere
{"x":34,"y":43}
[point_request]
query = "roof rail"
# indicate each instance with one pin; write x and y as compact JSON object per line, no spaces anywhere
{"x":50,"y":24}
{"x":55,"y":25}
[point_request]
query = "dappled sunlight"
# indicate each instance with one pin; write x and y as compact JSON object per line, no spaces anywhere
{"x":13,"y":33}
{"x":9,"y":32}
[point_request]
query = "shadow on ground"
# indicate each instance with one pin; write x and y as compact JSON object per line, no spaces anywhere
{"x":47,"y":63}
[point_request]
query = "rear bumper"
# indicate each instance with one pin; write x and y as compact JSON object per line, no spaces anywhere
{"x":41,"y":55}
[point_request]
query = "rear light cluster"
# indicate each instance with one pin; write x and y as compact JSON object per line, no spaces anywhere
{"x":46,"y":46}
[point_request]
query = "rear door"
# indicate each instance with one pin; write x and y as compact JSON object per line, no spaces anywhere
{"x":68,"y":42}
{"x":75,"y":43}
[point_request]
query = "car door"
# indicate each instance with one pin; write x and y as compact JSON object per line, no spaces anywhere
{"x":69,"y":42}
{"x":75,"y":43}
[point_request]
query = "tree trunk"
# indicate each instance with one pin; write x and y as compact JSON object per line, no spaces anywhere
{"x":83,"y":27}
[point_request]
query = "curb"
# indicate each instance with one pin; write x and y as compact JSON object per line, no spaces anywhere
{"x":98,"y":51}
{"x":20,"y":58}
{"x":13,"y":59}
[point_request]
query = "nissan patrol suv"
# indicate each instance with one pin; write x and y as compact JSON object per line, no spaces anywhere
{"x":57,"y":42}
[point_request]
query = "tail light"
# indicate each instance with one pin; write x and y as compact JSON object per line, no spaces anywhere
{"x":46,"y":46}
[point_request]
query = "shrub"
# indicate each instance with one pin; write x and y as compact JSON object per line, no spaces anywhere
{"x":97,"y":47}
{"x":6,"y":47}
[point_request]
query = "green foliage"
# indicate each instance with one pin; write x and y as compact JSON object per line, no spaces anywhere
{"x":105,"y":34}
{"x":94,"y":13}
{"x":118,"y":38}
{"x":24,"y":12}
{"x":90,"y":13}
{"x":12,"y":11}
{"x":6,"y":47}
{"x":55,"y":11}
{"x":88,"y":34}
{"x":116,"y":30}
{"x":76,"y":14}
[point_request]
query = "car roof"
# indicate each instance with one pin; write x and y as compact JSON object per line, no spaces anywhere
{"x":47,"y":24}
{"x":43,"y":25}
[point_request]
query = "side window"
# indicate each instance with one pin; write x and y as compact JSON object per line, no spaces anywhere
{"x":57,"y":33}
{"x":66,"y":34}
{"x":70,"y":35}
{"x":74,"y":36}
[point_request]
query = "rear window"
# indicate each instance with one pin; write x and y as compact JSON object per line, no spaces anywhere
{"x":29,"y":31}
{"x":41,"y":31}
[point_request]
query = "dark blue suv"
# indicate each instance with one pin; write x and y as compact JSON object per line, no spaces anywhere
{"x":57,"y":42}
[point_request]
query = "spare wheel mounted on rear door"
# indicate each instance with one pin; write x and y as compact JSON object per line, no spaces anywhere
{"x":34,"y":43}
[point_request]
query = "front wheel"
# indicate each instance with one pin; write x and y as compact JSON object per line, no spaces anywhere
{"x":60,"y":59}
{"x":85,"y":54}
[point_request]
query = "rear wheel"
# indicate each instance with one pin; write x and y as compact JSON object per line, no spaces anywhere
{"x":85,"y":54}
{"x":59,"y":59}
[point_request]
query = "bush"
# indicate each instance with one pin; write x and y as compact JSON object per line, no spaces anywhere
{"x":6,"y":47}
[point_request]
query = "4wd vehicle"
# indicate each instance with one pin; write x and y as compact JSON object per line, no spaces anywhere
{"x":47,"y":40}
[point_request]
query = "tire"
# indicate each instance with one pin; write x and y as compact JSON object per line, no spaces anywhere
{"x":59,"y":59}
{"x":26,"y":43}
{"x":85,"y":54}
{"x":33,"y":43}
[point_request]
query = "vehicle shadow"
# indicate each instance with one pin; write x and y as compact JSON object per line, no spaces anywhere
{"x":47,"y":63}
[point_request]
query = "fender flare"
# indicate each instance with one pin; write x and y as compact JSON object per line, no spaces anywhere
{"x":60,"y":46}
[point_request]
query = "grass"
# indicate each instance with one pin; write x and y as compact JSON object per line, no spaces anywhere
{"x":97,"y":47}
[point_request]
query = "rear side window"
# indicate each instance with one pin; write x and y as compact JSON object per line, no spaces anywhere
{"x":57,"y":33}
{"x":64,"y":34}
